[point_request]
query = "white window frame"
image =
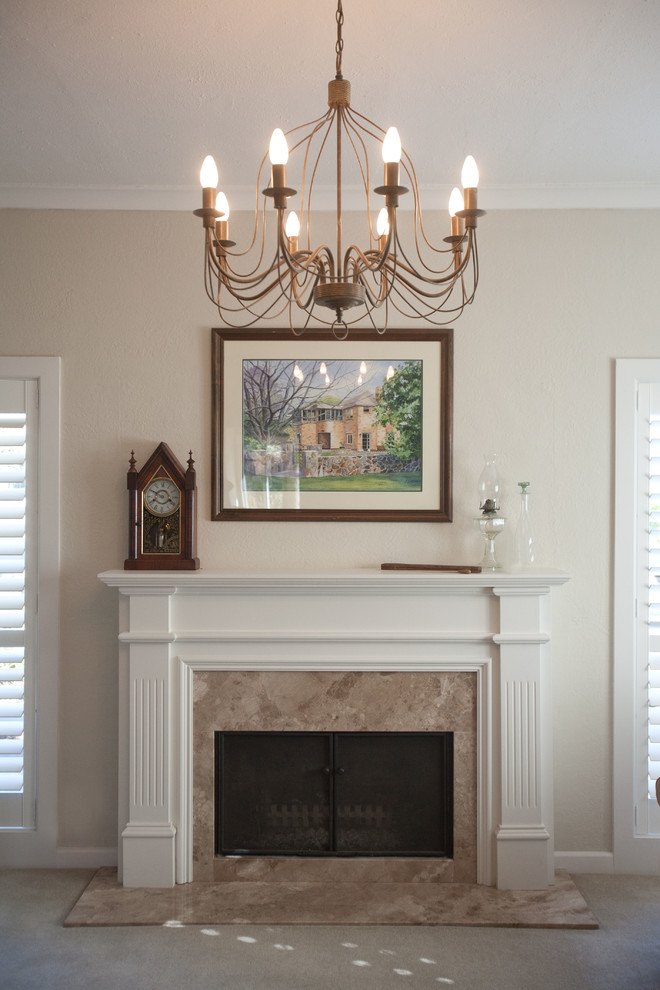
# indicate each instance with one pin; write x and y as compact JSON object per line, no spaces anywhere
{"x":633,"y":852}
{"x":37,"y":845}
{"x":17,"y":806}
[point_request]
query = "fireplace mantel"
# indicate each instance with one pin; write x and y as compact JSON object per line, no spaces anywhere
{"x":496,"y":625}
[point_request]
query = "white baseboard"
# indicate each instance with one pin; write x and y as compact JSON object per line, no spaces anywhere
{"x":24,"y":849}
{"x":585,"y":862}
{"x":573,"y":862}
{"x":71,"y":859}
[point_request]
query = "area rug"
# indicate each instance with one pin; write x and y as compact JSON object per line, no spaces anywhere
{"x":105,"y":902}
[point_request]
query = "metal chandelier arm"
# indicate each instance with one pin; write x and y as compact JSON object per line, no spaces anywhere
{"x":218,"y":265}
{"x":442,"y":278}
{"x":319,"y":262}
{"x":369,"y":264}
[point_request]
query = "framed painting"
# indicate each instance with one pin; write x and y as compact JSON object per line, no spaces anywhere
{"x":314,"y":428}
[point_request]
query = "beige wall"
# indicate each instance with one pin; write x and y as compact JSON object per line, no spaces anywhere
{"x":119,"y":297}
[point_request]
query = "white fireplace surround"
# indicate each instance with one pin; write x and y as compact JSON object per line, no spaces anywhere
{"x":496,"y":625}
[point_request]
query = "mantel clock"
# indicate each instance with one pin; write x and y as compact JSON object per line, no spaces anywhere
{"x":162,"y":518}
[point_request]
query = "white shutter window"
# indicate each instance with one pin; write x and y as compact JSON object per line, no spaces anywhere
{"x":636,"y":627}
{"x":648,"y":607}
{"x":654,"y":593}
{"x":18,"y":412}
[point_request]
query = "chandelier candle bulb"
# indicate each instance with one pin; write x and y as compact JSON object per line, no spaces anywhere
{"x":392,"y":156}
{"x":278,"y":149}
{"x":222,"y":206}
{"x":456,"y":205}
{"x":470,"y":181}
{"x":208,"y":177}
{"x":222,"y":221}
{"x":278,"y":152}
{"x":208,"y":174}
{"x":383,"y":228}
{"x":392,"y":146}
{"x":292,"y":231}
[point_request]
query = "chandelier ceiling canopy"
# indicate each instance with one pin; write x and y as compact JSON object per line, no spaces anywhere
{"x":338,"y":285}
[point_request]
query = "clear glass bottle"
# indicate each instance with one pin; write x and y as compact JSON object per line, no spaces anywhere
{"x":525,"y":549}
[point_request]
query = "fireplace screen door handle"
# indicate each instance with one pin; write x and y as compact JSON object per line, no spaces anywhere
{"x":328,"y":770}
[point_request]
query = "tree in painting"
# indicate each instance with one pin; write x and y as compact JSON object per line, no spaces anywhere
{"x":271,"y":395}
{"x":400,"y":404}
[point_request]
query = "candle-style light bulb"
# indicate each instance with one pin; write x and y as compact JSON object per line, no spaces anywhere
{"x":322,"y":368}
{"x":390,"y":373}
{"x":383,"y":223}
{"x":470,"y":180}
{"x":470,"y":173}
{"x":222,"y":222}
{"x":455,"y":202}
{"x":278,"y":150}
{"x":292,"y":229}
{"x":208,"y":174}
{"x":363,"y":368}
{"x":222,"y":206}
{"x":392,"y":146}
{"x":292,"y":226}
{"x":455,"y":206}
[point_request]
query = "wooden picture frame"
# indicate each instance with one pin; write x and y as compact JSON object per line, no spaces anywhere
{"x":369,"y":440}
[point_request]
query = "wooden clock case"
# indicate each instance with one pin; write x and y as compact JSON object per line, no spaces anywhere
{"x":176,"y":549}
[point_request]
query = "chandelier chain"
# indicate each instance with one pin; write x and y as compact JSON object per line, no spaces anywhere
{"x":339,"y":47}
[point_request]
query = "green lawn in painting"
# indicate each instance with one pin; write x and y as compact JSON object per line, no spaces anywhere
{"x":402,"y":482}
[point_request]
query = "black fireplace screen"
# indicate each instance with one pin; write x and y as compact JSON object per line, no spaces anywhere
{"x":340,"y":794}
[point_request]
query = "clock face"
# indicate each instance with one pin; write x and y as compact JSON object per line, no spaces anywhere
{"x":162,"y":497}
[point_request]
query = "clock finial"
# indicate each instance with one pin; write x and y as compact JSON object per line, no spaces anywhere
{"x":132,"y":461}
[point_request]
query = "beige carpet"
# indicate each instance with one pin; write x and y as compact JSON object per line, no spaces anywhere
{"x":106,"y":903}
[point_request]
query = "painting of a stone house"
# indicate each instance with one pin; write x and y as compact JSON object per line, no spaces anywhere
{"x":349,"y":425}
{"x":307,"y":429}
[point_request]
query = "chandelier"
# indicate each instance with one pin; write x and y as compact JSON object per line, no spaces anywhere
{"x":419,"y":281}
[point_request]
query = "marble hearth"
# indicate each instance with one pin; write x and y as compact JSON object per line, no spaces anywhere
{"x":338,"y":651}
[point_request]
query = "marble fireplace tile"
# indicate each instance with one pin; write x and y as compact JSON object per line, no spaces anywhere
{"x":332,"y":869}
{"x":329,"y":701}
{"x":105,"y":902}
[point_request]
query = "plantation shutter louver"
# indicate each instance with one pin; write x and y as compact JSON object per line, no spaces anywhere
{"x":17,"y":608}
{"x":654,"y":592}
{"x":647,"y":597}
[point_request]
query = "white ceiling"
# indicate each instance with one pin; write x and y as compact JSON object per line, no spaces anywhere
{"x":114,"y":104}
